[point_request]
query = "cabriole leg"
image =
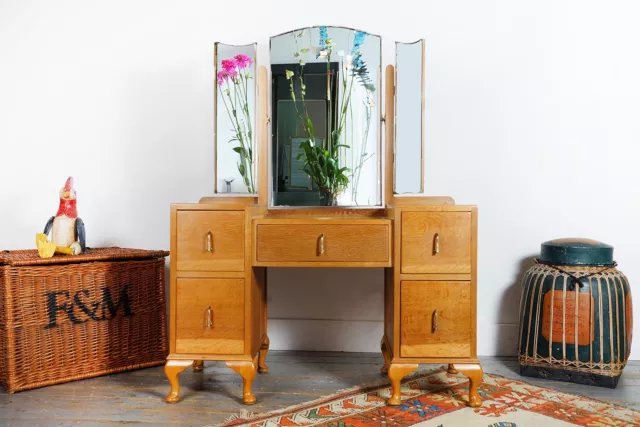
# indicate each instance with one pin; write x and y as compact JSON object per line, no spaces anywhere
{"x":385,"y":354}
{"x":396,"y":373}
{"x":172,"y":369}
{"x":474,"y":373}
{"x":247,"y":370}
{"x":264,"y":348}
{"x":198,"y":366}
{"x":451,"y":369}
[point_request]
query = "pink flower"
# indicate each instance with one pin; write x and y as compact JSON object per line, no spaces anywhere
{"x":228,"y":65}
{"x":222,"y":77}
{"x":243,"y":61}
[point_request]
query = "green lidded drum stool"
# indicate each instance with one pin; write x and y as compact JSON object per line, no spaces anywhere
{"x":576,"y":315}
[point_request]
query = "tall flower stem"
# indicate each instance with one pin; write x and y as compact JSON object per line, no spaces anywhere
{"x":242,"y":135}
{"x":362,"y":157}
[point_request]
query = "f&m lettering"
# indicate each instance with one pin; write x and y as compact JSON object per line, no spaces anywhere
{"x":82,"y":306}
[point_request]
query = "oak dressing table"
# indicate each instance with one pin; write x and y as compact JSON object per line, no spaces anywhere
{"x":222,"y":247}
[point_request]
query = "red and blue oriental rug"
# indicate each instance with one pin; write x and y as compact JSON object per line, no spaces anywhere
{"x":438,"y":399}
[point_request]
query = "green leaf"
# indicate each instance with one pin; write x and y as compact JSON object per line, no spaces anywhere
{"x":240,"y":150}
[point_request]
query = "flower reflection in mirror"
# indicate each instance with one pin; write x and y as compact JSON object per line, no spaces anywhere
{"x":233,"y":84}
{"x":327,"y":164}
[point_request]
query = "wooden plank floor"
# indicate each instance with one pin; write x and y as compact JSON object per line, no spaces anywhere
{"x":136,"y":398}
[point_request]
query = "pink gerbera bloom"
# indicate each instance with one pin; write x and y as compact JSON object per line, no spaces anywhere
{"x":233,"y":75}
{"x":228,"y":65}
{"x":223,"y":75}
{"x":243,"y":61}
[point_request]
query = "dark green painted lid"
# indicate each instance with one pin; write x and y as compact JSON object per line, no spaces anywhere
{"x":576,"y":251}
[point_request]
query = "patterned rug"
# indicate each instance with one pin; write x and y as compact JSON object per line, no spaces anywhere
{"x":438,"y":399}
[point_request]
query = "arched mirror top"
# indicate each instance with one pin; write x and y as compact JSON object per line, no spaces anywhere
{"x":325,"y":117}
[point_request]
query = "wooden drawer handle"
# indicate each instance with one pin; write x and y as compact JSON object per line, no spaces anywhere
{"x":434,"y":321}
{"x":210,"y":242}
{"x":209,"y":320}
{"x":436,"y":244}
{"x":321,"y":244}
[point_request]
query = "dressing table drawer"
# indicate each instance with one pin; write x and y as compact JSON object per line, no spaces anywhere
{"x":436,"y":242}
{"x":436,"y":319}
{"x":210,"y":241}
{"x":210,"y":316}
{"x":316,"y":242}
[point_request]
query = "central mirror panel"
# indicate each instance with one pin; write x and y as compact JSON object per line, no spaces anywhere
{"x":325,"y":118}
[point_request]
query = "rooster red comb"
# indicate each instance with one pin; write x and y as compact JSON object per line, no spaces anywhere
{"x":68,"y":186}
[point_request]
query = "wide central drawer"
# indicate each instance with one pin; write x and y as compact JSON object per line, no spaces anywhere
{"x":313,"y":242}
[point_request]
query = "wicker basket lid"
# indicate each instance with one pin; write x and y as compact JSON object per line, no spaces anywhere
{"x":30,"y":256}
{"x":576,"y":251}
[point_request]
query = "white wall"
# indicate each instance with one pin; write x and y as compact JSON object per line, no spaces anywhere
{"x":532,"y":113}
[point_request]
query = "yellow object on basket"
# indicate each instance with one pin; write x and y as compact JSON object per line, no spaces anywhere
{"x":46,"y":249}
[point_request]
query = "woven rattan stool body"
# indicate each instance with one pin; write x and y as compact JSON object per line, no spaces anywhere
{"x":575,"y":319}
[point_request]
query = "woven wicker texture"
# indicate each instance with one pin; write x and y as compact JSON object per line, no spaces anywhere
{"x":65,"y":322}
{"x":603,"y":319}
{"x":31,"y":257}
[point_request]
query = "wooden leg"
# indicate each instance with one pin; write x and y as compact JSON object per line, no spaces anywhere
{"x":198,"y":366}
{"x":396,"y":373}
{"x":474,"y":373}
{"x":264,"y":348}
{"x":385,"y":354}
{"x":172,"y":369}
{"x":247,"y":370}
{"x":451,"y":369}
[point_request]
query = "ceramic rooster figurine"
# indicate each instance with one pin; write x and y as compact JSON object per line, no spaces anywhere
{"x":67,"y":230}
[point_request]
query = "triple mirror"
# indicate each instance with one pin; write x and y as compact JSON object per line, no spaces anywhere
{"x":325,"y":140}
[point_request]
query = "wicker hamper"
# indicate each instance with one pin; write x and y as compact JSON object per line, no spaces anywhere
{"x":72,"y":317}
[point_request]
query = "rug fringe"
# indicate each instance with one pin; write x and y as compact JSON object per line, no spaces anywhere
{"x":243,"y":414}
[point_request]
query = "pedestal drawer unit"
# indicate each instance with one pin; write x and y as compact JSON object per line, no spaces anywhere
{"x":430,"y":314}
{"x":217,"y":300}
